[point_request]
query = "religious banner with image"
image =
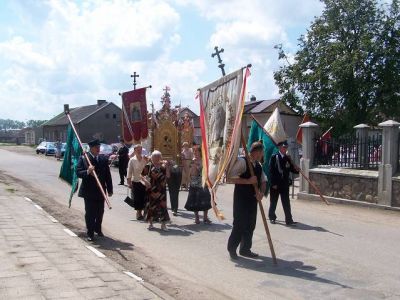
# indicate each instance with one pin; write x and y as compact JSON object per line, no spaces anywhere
{"x":134,"y":116}
{"x":221,"y":109}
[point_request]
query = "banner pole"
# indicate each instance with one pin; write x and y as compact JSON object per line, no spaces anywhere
{"x":271,"y":246}
{"x":88,"y":160}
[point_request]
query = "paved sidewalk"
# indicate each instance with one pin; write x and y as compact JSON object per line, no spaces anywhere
{"x":40,"y":260}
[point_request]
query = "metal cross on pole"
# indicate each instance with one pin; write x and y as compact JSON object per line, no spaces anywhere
{"x":166,"y":89}
{"x":221,"y":65}
{"x":134,"y":79}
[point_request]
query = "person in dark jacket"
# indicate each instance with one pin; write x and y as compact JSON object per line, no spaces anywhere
{"x":280,"y":166}
{"x":174,"y":183}
{"x":90,"y":191}
{"x":245,"y":201}
{"x":123,"y":160}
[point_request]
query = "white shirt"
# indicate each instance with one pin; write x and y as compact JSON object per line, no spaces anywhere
{"x":135,"y":168}
{"x":240,"y":167}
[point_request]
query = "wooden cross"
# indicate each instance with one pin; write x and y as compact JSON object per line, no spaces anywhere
{"x":217,"y":53}
{"x":134,"y":79}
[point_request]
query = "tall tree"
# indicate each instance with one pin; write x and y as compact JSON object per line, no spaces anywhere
{"x":35,"y":123}
{"x":347,"y":67}
{"x":6,"y":124}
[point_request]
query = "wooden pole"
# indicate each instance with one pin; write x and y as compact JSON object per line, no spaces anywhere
{"x":88,"y":161}
{"x":312,"y":184}
{"x":316,"y":189}
{"x":271,"y":246}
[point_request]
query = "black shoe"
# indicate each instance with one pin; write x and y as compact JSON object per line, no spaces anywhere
{"x":233,"y":255}
{"x":248,"y":254}
{"x":100,"y":234}
{"x":273,"y":221}
{"x":90,"y":238}
{"x":291,"y":223}
{"x":140,"y":218}
{"x":121,"y":183}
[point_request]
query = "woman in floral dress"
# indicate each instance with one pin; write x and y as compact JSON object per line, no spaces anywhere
{"x":157,"y":172}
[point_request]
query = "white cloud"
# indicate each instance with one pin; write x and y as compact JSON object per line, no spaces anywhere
{"x":21,"y":52}
{"x":67,"y":52}
{"x":78,"y":53}
{"x":249,"y":30}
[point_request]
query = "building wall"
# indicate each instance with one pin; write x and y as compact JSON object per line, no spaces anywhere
{"x":104,"y":125}
{"x":55,"y":133}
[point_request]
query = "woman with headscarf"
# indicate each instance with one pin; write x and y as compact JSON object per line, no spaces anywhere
{"x":157,"y":172}
{"x":199,"y":198}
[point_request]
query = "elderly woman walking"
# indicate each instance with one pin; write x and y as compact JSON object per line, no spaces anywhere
{"x":157,"y":172}
{"x":135,"y":180}
{"x":199,"y":198}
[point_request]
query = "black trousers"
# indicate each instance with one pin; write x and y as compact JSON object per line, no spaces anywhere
{"x":123,"y":170}
{"x":174,"y":197}
{"x":274,"y":195}
{"x":244,"y":223}
{"x":94,"y":210}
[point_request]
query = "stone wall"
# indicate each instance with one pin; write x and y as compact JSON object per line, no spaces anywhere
{"x":396,"y":192}
{"x":347,"y":184}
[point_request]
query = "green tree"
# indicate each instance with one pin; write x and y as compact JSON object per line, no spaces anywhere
{"x":35,"y":123}
{"x":346,"y":70}
{"x":6,"y":124}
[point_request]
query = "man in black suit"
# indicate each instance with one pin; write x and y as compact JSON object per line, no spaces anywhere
{"x":279,"y":167}
{"x":123,"y":160}
{"x":90,"y":191}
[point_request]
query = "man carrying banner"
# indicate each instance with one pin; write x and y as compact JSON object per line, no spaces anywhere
{"x":245,"y":201}
{"x":90,"y":191}
{"x":280,"y":166}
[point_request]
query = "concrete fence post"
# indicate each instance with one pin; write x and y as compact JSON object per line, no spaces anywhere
{"x":362,"y":144}
{"x":388,"y":166}
{"x":307,"y":159}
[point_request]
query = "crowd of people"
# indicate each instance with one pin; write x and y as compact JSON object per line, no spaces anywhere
{"x":148,"y":178}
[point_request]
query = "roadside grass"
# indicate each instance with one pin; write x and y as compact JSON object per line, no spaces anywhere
{"x":7,"y":144}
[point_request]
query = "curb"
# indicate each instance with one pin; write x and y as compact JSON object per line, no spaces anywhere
{"x":313,"y":197}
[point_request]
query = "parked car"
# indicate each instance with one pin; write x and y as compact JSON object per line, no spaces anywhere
{"x":106,"y":150}
{"x":85,"y":147}
{"x":50,"y":149}
{"x":113,"y":159}
{"x":41,"y":148}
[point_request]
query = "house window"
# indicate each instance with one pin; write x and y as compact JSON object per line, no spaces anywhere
{"x":114,"y":116}
{"x":107,"y":115}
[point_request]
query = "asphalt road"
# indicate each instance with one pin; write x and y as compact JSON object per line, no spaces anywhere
{"x":335,"y":252}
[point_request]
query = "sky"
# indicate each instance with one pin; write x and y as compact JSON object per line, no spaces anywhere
{"x":58,"y":51}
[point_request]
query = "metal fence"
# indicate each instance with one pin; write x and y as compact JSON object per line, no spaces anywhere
{"x":349,"y":152}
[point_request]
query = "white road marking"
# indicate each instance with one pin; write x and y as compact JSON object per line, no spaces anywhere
{"x":137,"y":278}
{"x":95,"y":251}
{"x":27,"y":199}
{"x":69,"y":232}
{"x":52,"y":219}
{"x":38,"y":207}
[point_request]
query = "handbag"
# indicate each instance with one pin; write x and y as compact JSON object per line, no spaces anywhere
{"x":128,"y":200}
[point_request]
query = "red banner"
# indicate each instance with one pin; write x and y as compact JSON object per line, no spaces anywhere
{"x":134,"y":116}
